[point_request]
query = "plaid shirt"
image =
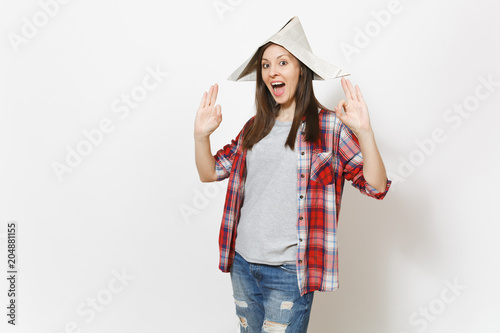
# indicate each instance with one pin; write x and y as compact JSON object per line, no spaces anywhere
{"x":322,"y":169}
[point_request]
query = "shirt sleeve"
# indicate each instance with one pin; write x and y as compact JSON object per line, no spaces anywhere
{"x":224,"y":157}
{"x":352,"y":162}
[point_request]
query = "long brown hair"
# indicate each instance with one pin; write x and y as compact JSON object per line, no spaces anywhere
{"x":306,"y":105}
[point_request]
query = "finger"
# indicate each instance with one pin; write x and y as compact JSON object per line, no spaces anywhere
{"x":338,"y":109}
{"x":339,"y":113}
{"x":354,"y":96}
{"x":360,"y":95}
{"x":214,"y":95}
{"x":347,"y":91}
{"x":203,"y":101}
{"x":218,"y":109}
{"x":342,"y":103}
{"x":209,"y":96}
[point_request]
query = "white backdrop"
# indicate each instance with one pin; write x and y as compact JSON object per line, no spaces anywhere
{"x":115,"y":232}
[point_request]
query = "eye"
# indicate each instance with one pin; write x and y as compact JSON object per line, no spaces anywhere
{"x":265,"y":66}
{"x":283,"y":62}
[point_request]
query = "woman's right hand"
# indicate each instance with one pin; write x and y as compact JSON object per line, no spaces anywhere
{"x":209,"y":116}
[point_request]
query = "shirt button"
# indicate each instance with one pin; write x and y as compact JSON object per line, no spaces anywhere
{"x":301,"y":196}
{"x":300,"y":261}
{"x":303,"y":153}
{"x":302,"y":176}
{"x":300,"y":239}
{"x":301,"y":218}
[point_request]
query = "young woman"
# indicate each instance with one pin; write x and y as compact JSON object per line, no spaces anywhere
{"x":286,"y":171}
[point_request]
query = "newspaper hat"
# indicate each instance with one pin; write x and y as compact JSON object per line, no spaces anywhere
{"x":292,"y":38}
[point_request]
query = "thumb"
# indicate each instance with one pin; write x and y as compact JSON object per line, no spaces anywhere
{"x":339,"y":112}
{"x":218,"y":112}
{"x":218,"y":109}
{"x":338,"y":109}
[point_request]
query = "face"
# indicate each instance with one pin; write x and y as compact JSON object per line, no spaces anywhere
{"x":280,"y":72}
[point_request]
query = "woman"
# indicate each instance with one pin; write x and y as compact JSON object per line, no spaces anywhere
{"x":286,"y":171}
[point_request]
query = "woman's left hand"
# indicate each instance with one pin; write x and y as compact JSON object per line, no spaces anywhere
{"x":356,"y":111}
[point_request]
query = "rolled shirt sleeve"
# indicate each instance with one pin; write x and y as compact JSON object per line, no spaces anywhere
{"x":352,"y":161}
{"x":225,"y":156}
{"x":224,"y":159}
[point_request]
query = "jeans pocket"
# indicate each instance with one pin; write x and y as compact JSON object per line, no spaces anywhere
{"x":289,"y":268}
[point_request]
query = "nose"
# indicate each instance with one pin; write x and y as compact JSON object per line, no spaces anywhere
{"x":273,"y":71}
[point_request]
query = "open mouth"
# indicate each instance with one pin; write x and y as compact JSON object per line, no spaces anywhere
{"x":278,"y":88}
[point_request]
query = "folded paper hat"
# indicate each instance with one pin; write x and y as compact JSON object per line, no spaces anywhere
{"x":292,"y":38}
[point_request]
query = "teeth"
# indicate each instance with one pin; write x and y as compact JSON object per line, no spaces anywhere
{"x":276,"y":83}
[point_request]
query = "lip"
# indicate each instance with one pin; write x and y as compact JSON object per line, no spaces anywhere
{"x":274,"y":91}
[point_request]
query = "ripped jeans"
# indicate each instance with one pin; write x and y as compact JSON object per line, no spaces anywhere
{"x":267,"y":298}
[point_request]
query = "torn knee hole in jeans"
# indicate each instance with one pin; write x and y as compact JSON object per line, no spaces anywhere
{"x":243,"y":322}
{"x":286,"y":305}
{"x":241,"y":304}
{"x":271,"y":326}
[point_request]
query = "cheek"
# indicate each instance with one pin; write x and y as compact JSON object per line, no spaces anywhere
{"x":295,"y":77}
{"x":294,"y":84}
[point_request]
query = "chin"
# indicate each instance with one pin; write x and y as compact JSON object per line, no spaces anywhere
{"x":281,"y":101}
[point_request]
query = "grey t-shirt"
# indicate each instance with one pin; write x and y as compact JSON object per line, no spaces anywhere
{"x":267,"y":229}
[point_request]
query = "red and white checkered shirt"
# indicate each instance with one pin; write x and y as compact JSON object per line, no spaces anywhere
{"x":322,"y":169}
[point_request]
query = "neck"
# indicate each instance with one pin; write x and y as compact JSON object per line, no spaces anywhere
{"x":286,"y":112}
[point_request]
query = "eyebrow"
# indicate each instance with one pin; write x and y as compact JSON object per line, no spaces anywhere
{"x":277,"y":57}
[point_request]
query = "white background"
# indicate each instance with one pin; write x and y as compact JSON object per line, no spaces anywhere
{"x":135,"y":206}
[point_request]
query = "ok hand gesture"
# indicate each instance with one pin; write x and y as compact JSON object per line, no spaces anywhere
{"x":209,"y":116}
{"x":356,"y":112}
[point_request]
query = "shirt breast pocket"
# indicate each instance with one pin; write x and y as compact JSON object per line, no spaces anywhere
{"x":322,"y":167}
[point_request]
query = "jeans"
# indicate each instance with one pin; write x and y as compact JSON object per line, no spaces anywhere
{"x":267,"y":298}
